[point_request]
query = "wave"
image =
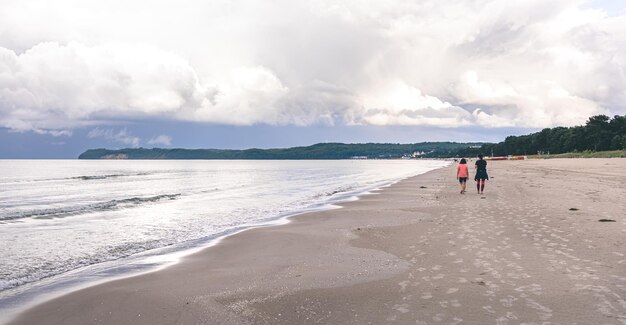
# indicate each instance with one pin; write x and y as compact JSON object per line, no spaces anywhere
{"x":93,"y":177}
{"x":87,"y":208}
{"x":41,"y":271}
{"x":341,"y":189}
{"x":97,"y":177}
{"x":82,"y":177}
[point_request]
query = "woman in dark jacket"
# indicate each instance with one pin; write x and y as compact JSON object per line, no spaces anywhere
{"x":481,"y":174}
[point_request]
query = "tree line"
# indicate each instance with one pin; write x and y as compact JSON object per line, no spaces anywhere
{"x":600,"y":133}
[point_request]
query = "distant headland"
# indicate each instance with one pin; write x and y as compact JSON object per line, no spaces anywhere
{"x":316,"y":151}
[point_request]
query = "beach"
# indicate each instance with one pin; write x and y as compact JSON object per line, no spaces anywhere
{"x":531,"y":250}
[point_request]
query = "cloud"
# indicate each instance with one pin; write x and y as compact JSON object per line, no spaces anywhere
{"x":397,"y":103}
{"x":54,"y":133}
{"x":121,"y":136}
{"x":520,"y":63}
{"x":162,"y":139}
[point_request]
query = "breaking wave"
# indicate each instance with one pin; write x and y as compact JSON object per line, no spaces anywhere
{"x":86,"y":208}
{"x":97,"y":177}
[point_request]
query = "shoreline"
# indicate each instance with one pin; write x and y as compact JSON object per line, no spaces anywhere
{"x":137,"y":265}
{"x":416,"y":251}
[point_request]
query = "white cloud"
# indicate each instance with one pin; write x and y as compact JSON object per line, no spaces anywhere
{"x":519,"y":63}
{"x":162,"y":139}
{"x":54,"y":133}
{"x":121,"y":136}
{"x":396,"y":103}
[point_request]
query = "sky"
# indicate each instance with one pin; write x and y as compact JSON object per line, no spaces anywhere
{"x":79,"y":74}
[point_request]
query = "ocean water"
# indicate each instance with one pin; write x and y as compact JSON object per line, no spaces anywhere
{"x":64,"y":217}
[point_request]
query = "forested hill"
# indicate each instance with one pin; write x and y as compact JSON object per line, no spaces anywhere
{"x":600,"y":133}
{"x":317,"y":151}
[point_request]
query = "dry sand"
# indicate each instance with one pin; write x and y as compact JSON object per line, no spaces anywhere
{"x":417,"y":252}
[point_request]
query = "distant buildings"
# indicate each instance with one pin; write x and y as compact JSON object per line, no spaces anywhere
{"x":417,"y":154}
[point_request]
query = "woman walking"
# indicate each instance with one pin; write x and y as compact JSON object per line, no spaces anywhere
{"x":462,"y":173}
{"x":481,"y":174}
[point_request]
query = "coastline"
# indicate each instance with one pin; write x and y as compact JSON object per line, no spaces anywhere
{"x":404,"y":253}
{"x":161,"y":258}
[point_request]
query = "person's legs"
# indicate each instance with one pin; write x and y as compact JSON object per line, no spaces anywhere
{"x":463,"y":186}
{"x":482,"y":186}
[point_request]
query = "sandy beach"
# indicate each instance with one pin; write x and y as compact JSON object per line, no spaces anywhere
{"x":530,"y":250}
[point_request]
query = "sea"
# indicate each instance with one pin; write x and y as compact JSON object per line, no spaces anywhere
{"x":70,"y":223}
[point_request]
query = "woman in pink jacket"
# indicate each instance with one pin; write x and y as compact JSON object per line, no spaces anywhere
{"x":462,"y":174}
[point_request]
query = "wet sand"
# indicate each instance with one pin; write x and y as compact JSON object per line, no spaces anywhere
{"x":530,"y":250}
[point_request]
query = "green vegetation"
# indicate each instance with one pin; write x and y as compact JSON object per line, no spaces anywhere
{"x":584,"y":154}
{"x":599,"y":134}
{"x":317,"y":151}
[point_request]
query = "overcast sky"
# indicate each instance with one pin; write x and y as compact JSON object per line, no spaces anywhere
{"x":76,"y":74}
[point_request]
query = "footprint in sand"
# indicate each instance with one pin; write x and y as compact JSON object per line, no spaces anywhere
{"x":426,"y":295}
{"x":510,"y":315}
{"x":403,"y":308}
{"x":452,"y":290}
{"x":439,"y":276}
{"x":439,"y":317}
{"x":544,"y":312}
{"x":508,"y":301}
{"x":403,"y":285}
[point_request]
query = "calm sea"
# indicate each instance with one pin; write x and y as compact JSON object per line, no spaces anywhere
{"x":65,"y":220}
